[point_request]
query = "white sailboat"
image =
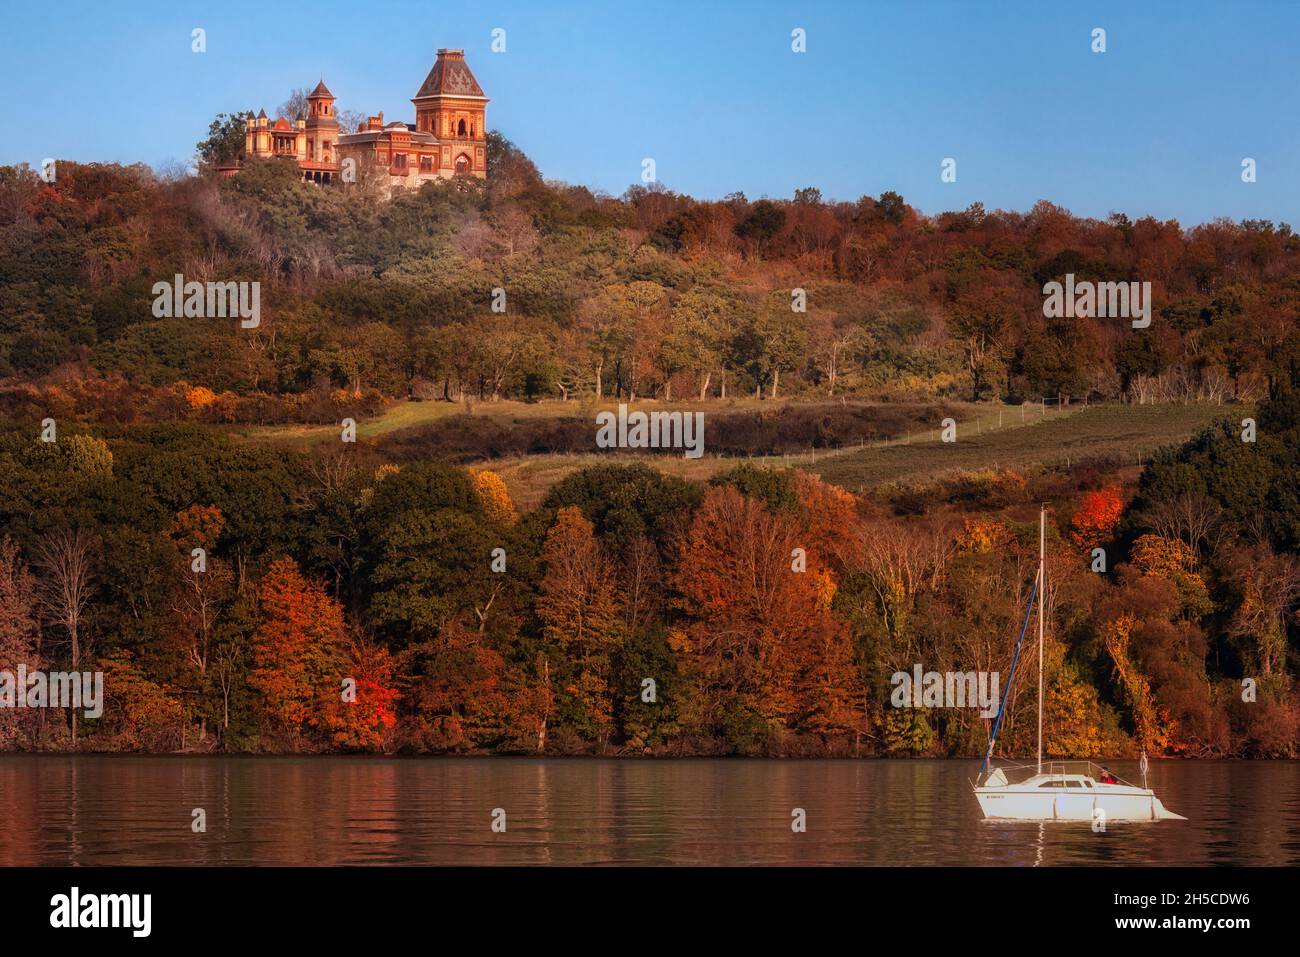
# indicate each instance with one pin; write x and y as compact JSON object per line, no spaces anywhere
{"x":1066,"y":790}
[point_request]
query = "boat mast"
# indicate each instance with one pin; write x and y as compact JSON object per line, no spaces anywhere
{"x":1042,"y":583}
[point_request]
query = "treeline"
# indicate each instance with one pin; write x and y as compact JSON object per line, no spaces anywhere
{"x":243,"y":599}
{"x":652,"y":294}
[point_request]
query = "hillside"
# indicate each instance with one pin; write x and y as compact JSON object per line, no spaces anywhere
{"x":491,"y":583}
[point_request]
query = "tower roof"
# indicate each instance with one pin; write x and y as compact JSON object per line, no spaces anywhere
{"x":321,"y":90}
{"x":450,"y":76}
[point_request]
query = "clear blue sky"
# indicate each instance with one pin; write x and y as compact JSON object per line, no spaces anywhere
{"x":1157,"y":125}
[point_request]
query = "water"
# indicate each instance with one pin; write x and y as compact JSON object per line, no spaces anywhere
{"x":361,"y":810}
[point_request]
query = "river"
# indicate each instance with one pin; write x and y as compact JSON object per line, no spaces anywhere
{"x":85,"y":809}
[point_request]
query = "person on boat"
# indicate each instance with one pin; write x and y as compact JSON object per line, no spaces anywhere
{"x":1108,"y":778}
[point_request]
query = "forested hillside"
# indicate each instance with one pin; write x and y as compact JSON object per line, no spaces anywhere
{"x":468,"y":623}
{"x":649,"y":295}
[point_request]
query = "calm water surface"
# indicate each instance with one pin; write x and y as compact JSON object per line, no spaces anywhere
{"x":345,"y":810}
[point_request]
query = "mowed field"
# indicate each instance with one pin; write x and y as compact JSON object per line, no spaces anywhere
{"x":987,"y":437}
{"x":1112,"y":433}
{"x":1123,"y":434}
{"x":414,"y":415}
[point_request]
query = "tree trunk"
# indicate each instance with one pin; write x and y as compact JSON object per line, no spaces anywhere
{"x":704,"y":389}
{"x":541,"y":728}
{"x":76,"y":657}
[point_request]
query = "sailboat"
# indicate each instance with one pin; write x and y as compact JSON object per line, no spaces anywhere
{"x":1064,"y":790}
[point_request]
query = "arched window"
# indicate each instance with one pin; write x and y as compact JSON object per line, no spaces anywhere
{"x":462,"y":163}
{"x":460,"y":130}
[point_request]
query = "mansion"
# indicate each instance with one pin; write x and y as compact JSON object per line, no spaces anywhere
{"x":448,"y":137}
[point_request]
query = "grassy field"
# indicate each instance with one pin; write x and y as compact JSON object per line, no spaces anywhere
{"x":413,"y":415}
{"x":987,"y":437}
{"x":1126,"y":434}
{"x":996,"y":439}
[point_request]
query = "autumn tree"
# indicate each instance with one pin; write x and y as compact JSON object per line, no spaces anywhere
{"x":465,"y":696}
{"x":140,"y":714}
{"x":202,"y":586}
{"x":19,"y":629}
{"x":495,"y":497}
{"x":697,"y":332}
{"x":367,"y":716}
{"x":1269,"y":605}
{"x":1094,"y":522}
{"x":298,"y":651}
{"x":1152,"y":725}
{"x":765,"y":654}
{"x":580,"y":618}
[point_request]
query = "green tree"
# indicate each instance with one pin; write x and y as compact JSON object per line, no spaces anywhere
{"x":225,"y":142}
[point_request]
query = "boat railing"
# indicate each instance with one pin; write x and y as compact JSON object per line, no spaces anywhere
{"x":1022,"y":772}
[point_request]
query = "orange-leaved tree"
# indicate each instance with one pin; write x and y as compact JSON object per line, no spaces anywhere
{"x":368,"y":713}
{"x":495,"y":497}
{"x":1096,"y":518}
{"x":764,"y":652}
{"x":299,"y":657}
{"x":466,"y":696}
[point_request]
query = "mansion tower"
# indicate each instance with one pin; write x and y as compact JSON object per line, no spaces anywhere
{"x":448,"y":137}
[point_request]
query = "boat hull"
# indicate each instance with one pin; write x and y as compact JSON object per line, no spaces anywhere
{"x":1116,"y":803}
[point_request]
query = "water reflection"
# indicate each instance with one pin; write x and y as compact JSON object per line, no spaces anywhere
{"x":320,"y":811}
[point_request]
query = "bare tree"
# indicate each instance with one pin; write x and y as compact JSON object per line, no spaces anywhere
{"x":66,"y":581}
{"x":900,"y":560}
{"x":1191,"y":517}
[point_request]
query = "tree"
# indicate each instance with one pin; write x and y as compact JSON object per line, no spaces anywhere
{"x":296,"y":107}
{"x":19,"y":628}
{"x":368,"y":716}
{"x":773,"y":342}
{"x":1269,"y":586}
{"x":764,"y":655}
{"x":65,"y":560}
{"x":139,"y":713}
{"x":428,"y":556}
{"x":978,"y":320}
{"x":1152,"y":725}
{"x":892,"y":207}
{"x":697,"y":329}
{"x":764,"y":221}
{"x":1095,"y":521}
{"x":225,"y":143}
{"x":464,"y":695}
{"x":202,"y":587}
{"x":495,"y":497}
{"x":509,"y":171}
{"x":298,"y":652}
{"x":580,"y":618}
